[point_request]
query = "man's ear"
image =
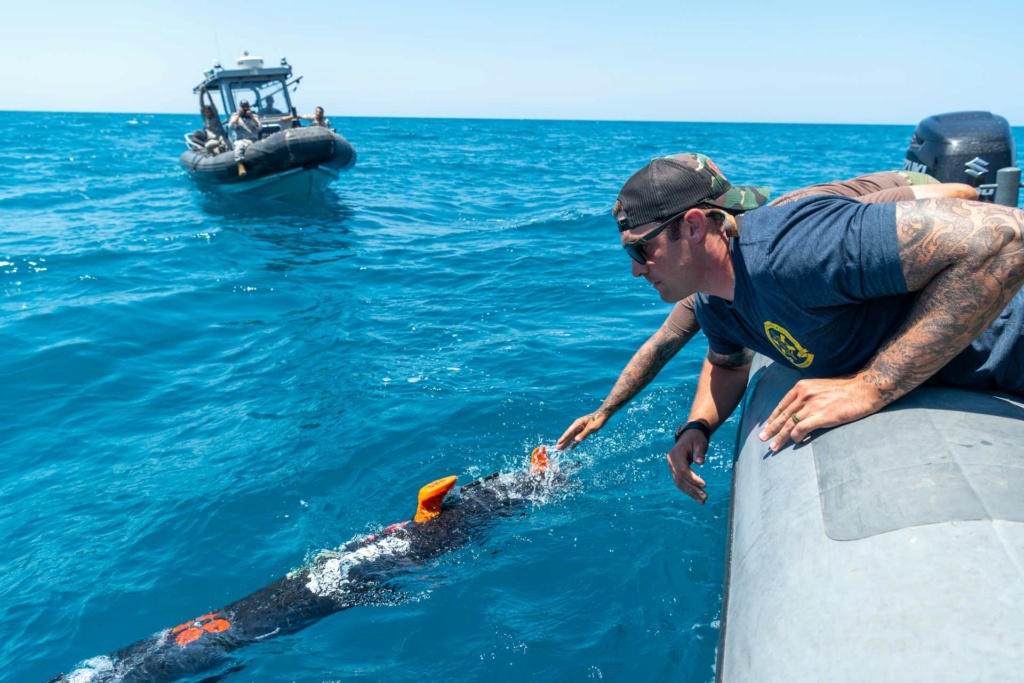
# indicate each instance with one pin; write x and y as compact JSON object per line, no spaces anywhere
{"x":694,"y":225}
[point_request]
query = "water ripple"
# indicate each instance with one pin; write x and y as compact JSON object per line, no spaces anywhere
{"x":200,"y":393}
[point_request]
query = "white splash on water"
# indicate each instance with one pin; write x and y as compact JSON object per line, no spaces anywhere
{"x":330,"y":576}
{"x":91,"y":670}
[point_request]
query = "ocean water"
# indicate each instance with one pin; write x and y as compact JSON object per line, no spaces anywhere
{"x":199,"y":395}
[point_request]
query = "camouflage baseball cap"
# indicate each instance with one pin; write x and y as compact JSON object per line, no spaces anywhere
{"x":669,"y":186}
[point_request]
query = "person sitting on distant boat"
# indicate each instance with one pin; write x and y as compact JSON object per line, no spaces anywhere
{"x":213,"y":142}
{"x":268,"y":107}
{"x":247,"y":131}
{"x":317,"y":119}
{"x":209,"y":141}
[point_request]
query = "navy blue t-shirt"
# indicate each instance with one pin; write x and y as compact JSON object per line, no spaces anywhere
{"x":820,"y":288}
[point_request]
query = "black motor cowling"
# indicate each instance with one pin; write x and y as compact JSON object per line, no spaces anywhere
{"x":962,"y":147}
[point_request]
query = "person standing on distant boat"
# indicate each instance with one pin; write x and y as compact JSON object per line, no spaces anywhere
{"x":247,"y":131}
{"x":682,"y":324}
{"x":866,"y":301}
{"x":317,"y":119}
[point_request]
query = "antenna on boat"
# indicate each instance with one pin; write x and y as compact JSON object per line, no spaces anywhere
{"x":216,"y":42}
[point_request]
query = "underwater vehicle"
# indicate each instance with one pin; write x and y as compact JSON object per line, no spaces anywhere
{"x":289,"y":161}
{"x":358,"y":573}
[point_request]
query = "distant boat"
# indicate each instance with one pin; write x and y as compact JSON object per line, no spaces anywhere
{"x":289,"y":161}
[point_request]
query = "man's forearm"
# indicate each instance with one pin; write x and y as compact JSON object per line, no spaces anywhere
{"x":643,"y":367}
{"x":720,"y":390}
{"x":955,"y":305}
{"x":946,"y":318}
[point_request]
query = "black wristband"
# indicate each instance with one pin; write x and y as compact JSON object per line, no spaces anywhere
{"x":699,"y":426}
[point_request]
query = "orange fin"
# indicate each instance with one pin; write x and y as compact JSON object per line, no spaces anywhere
{"x":430,"y":498}
{"x":539,"y":460}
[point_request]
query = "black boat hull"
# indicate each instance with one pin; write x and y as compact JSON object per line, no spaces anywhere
{"x":293,"y":148}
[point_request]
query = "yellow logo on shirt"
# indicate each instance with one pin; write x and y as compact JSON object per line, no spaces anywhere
{"x":787,"y":345}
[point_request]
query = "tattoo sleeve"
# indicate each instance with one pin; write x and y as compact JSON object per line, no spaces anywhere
{"x":644,"y":367}
{"x":967,"y":261}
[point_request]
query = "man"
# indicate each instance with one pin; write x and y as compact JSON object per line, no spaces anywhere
{"x":210,"y":143}
{"x":866,"y":301}
{"x":268,"y":107}
{"x":317,"y":119}
{"x":247,"y":131}
{"x":211,"y":119}
{"x":682,"y":324}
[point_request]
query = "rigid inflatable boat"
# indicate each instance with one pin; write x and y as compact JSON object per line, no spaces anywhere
{"x":888,"y":549}
{"x":288,"y":161}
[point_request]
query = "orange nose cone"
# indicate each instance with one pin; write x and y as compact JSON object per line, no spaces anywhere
{"x":430,"y":498}
{"x":539,"y":460}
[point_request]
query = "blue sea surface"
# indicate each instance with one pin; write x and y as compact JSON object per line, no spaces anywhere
{"x":199,"y":394}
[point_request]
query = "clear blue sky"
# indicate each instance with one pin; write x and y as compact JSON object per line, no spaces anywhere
{"x":858,"y":62}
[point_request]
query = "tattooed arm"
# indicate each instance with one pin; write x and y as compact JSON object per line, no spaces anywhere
{"x":645,"y":365}
{"x":720,"y":389}
{"x":967,"y":261}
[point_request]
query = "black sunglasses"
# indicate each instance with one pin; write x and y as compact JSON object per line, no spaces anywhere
{"x":636,"y":248}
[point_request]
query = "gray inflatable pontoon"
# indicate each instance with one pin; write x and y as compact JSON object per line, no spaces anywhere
{"x":306,"y":147}
{"x":890,"y":549}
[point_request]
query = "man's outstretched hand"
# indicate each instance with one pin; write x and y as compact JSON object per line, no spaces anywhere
{"x":581,"y":429}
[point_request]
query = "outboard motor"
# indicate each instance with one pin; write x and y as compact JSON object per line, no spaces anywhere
{"x":964,"y":147}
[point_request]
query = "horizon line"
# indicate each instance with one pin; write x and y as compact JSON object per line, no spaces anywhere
{"x":491,"y":118}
